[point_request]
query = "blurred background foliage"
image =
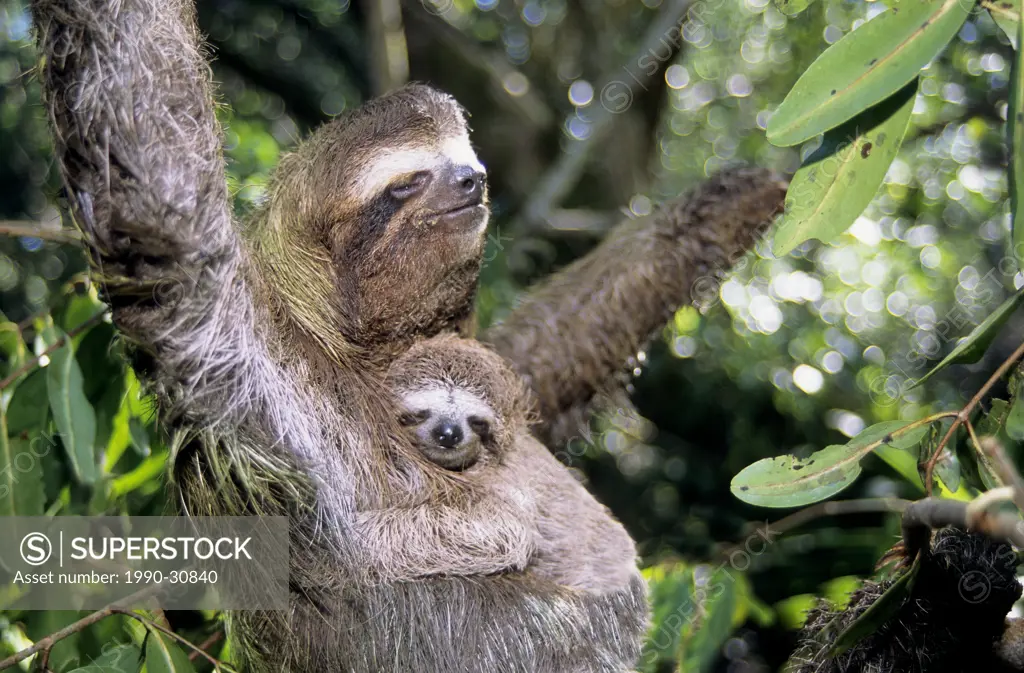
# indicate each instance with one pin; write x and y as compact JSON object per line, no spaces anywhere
{"x":582,"y":120}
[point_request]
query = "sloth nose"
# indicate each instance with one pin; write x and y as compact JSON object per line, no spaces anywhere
{"x":447,"y":434}
{"x":469,"y":182}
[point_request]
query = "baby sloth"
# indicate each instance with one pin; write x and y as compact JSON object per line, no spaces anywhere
{"x":461,"y":402}
{"x":516,"y":508}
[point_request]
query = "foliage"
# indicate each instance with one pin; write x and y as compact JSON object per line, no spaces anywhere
{"x":823,"y":344}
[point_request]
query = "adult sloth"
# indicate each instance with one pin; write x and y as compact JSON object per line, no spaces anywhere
{"x":267,"y":348}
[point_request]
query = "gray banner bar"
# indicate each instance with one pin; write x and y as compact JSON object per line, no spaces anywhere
{"x":174,"y":563}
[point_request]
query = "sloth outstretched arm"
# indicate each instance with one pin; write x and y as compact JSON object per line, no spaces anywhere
{"x":128,"y":92}
{"x":573,"y":333}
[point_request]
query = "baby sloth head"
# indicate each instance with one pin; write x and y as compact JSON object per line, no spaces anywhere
{"x":459,"y":400}
{"x":452,"y":426}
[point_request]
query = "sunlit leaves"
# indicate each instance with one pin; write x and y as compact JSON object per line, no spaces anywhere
{"x":839,"y":179}
{"x":973,"y":346}
{"x":865,"y":67}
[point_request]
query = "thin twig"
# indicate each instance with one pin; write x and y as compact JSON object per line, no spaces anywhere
{"x":44,"y":644}
{"x":206,"y":645}
{"x":28,"y":366}
{"x":35,"y":230}
{"x":1005,"y":468}
{"x":964,"y":414}
{"x":817,"y":511}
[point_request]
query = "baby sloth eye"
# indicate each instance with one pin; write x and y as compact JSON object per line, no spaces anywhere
{"x":480,"y":426}
{"x":411,"y":186}
{"x":413,"y":417}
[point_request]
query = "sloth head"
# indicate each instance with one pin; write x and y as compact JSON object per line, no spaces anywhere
{"x":460,"y":400}
{"x":374,"y":228}
{"x":451,"y":426}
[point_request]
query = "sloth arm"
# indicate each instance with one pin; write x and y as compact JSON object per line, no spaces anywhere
{"x":575,"y":331}
{"x":493,"y":530}
{"x":127,"y":88}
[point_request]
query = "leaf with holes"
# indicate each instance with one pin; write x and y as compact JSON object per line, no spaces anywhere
{"x":973,"y":346}
{"x":865,"y":67}
{"x":787,"y":481}
{"x":834,"y":185}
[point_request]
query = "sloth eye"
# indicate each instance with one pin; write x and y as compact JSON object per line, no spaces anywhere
{"x":414,"y":417}
{"x":480,"y":426}
{"x":411,"y":186}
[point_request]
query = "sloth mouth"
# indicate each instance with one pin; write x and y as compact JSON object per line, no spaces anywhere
{"x":466,"y":216}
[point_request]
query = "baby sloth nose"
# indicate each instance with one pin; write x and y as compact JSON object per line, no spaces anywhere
{"x":447,"y":434}
{"x":469,"y":182}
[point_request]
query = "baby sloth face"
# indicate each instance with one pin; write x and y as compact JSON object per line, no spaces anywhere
{"x":453,"y":426}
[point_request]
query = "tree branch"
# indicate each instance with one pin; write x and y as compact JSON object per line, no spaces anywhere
{"x":614,"y":97}
{"x":964,"y":414}
{"x":389,"y":55}
{"x":36,"y":230}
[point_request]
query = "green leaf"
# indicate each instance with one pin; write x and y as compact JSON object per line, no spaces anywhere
{"x":1015,"y":128}
{"x":80,"y":309}
{"x":902,"y":453}
{"x":883,"y":432}
{"x":67,"y":652}
{"x":878,"y":613}
{"x":670,"y":587}
{"x":139,"y":435}
{"x":1006,"y":14}
{"x":973,"y":346}
{"x":12,"y":348}
{"x":120,"y":659}
{"x":28,"y":409}
{"x":992,"y":424}
{"x":21,"y":478}
{"x":865,"y":67}
{"x":786,"y":481}
{"x":792,"y":7}
{"x":164,"y":656}
{"x":1015,"y":419}
{"x":834,"y":185}
{"x":74,"y":416}
{"x":705,"y":633}
{"x":947,"y":469}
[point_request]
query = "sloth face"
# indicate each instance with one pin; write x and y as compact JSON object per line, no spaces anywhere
{"x":453,"y":427}
{"x":405,"y":214}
